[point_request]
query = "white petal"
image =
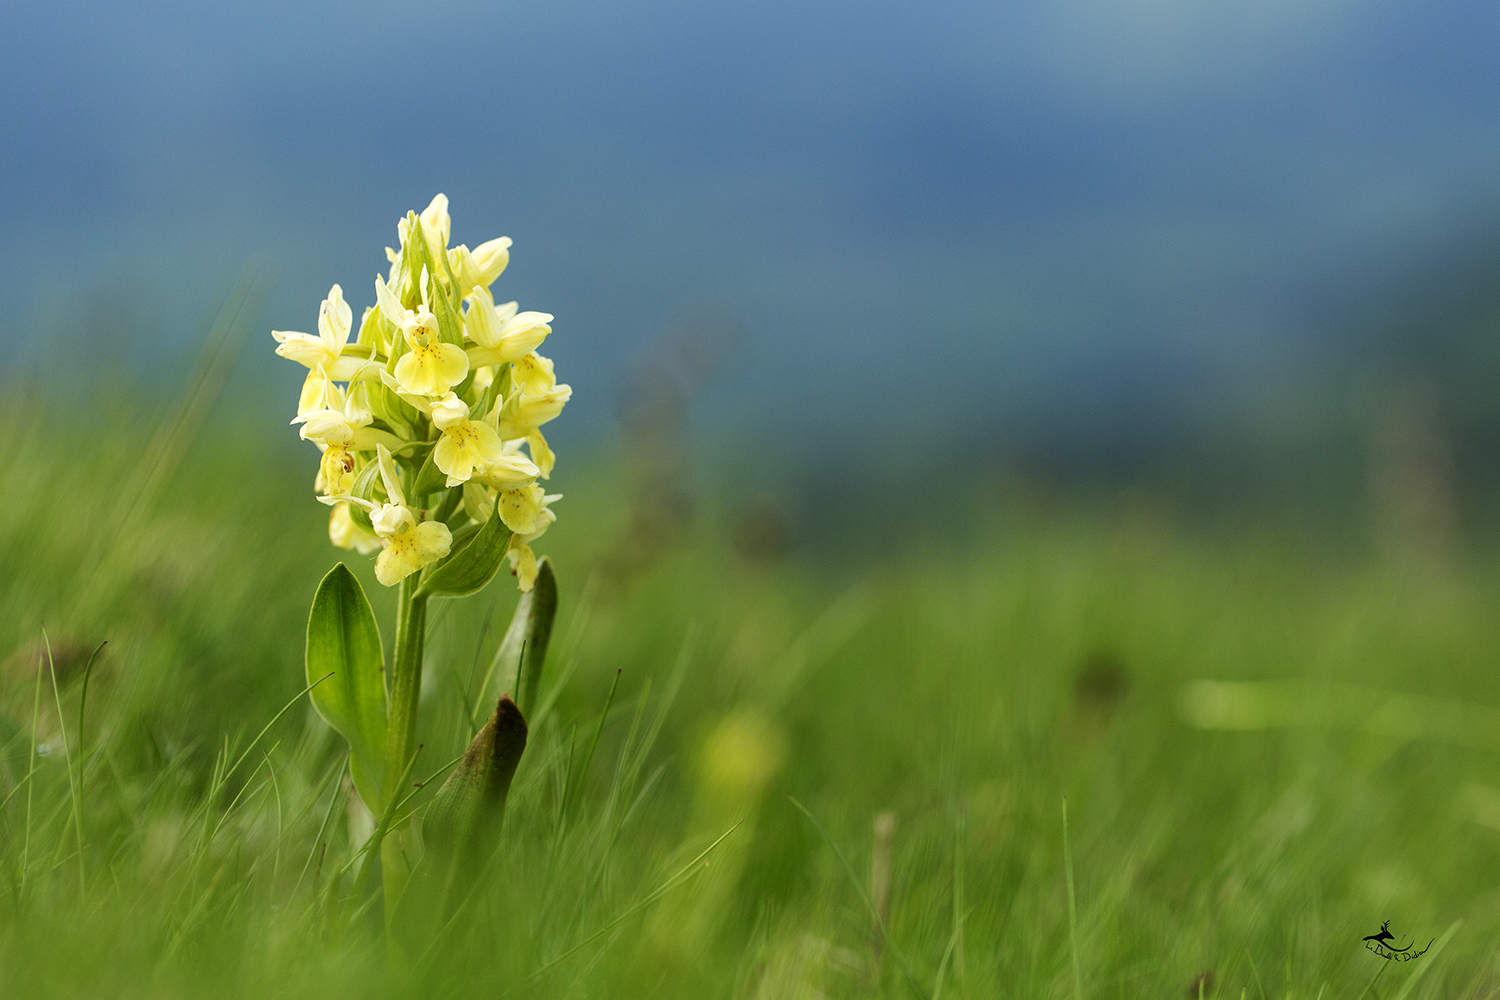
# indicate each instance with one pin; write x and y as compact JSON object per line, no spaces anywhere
{"x":334,"y":320}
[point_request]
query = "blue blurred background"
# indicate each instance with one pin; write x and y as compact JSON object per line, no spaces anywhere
{"x":1080,"y":234}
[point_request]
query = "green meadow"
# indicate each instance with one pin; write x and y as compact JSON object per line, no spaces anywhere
{"x":834,"y":770}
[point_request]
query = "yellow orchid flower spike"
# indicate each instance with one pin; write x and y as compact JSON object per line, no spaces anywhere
{"x":402,"y":392}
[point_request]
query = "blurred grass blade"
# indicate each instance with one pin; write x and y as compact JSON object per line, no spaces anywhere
{"x":1072,"y":905}
{"x":344,"y":640}
{"x":681,"y":875}
{"x":864,"y":896}
{"x":466,"y":571}
{"x":523,"y":651}
{"x":1256,"y":705}
{"x":172,"y":437}
{"x":1426,"y":961}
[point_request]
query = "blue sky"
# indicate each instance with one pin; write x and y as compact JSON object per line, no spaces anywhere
{"x":922,"y":214}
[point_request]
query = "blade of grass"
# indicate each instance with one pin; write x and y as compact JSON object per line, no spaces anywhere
{"x":1426,"y":961}
{"x":588,"y":758}
{"x":280,"y":828}
{"x":953,"y":939}
{"x":1072,"y":906}
{"x":36,"y":711}
{"x":328,"y":815}
{"x":83,"y":701}
{"x":68,"y":760}
{"x":688,"y":870}
{"x":959,"y":913}
{"x":1256,"y":973}
{"x":864,"y":896}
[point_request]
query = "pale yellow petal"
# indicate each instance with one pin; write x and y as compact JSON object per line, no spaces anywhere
{"x":391,"y":520}
{"x":334,"y":320}
{"x":434,"y":540}
{"x":531,"y":412}
{"x":449,"y":411}
{"x":389,"y":304}
{"x":436,"y":224}
{"x":509,"y":472}
{"x":480,"y":322}
{"x":326,"y":426}
{"x":533,"y":373}
{"x":523,"y":565}
{"x":465,"y":447}
{"x":346,"y":534}
{"x":523,"y":334}
{"x":409,"y":551}
{"x":491,"y":257}
{"x":396,"y":562}
{"x":314,"y":392}
{"x":344,"y":367}
{"x":389,"y":475}
{"x":541,"y":453}
{"x":431,"y":370}
{"x":521,"y":508}
{"x":453,"y":363}
{"x":367,"y":438}
{"x":302,"y":348}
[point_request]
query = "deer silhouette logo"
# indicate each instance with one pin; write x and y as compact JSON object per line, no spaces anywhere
{"x":1384,"y":945}
{"x":1385,"y":938}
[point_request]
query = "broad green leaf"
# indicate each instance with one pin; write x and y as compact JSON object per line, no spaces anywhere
{"x":471,"y":567}
{"x":344,"y":641}
{"x":528,"y":635}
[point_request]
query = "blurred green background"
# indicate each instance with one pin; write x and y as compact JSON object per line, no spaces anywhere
{"x":974,"y":406}
{"x":928,"y":689}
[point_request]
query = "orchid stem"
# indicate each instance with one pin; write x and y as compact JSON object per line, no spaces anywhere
{"x":401,"y":736}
